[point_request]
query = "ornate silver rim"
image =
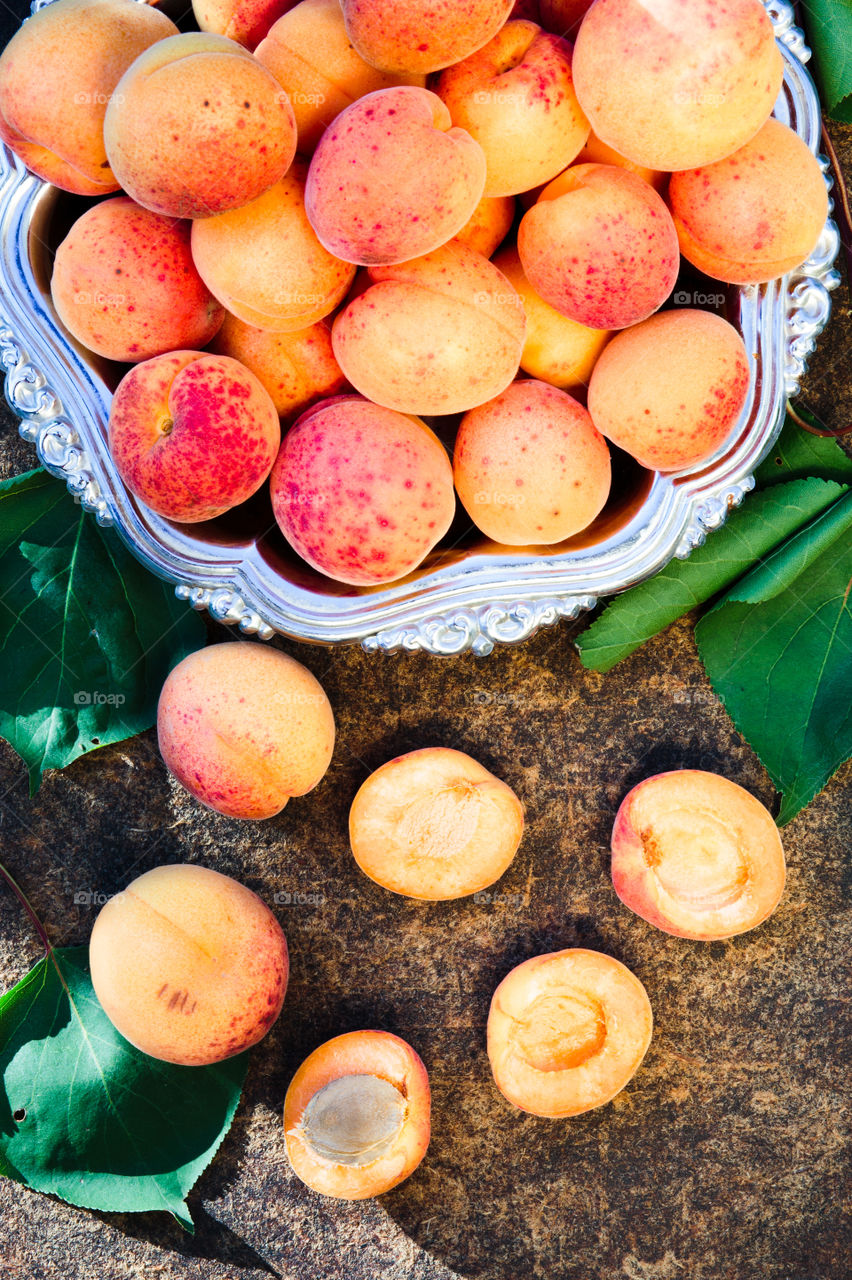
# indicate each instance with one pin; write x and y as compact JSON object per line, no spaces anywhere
{"x":486,"y":598}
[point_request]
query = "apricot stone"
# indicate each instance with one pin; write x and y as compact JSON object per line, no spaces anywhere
{"x":670,"y":391}
{"x":434,"y":824}
{"x":411,"y":180}
{"x":265,"y":263}
{"x":197,"y":126}
{"x":567,"y":1031}
{"x":696,"y":855}
{"x":57,"y":75}
{"x":439,"y":334}
{"x":192,"y":435}
{"x":243,"y":727}
{"x":515,"y":97}
{"x":296,"y":368}
{"x":309,"y":53}
{"x":754,"y":215}
{"x":421,"y":35}
{"x":673,"y":85}
{"x":600,"y":246}
{"x":357,"y":1115}
{"x":154,"y":301}
{"x":189,"y":965}
{"x":361,"y":492}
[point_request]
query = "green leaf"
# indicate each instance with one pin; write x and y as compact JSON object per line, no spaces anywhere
{"x":87,"y":635}
{"x":828,"y":26}
{"x":100,"y":1124}
{"x":781,"y":659}
{"x":764,"y":521}
{"x":798,"y":454}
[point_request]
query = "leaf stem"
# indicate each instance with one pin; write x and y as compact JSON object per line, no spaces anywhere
{"x":27,"y":905}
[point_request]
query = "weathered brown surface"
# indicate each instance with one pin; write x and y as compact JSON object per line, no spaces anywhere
{"x":726,"y":1158}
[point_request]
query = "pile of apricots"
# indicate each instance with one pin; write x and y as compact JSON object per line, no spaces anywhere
{"x":341,"y":216}
{"x":192,"y":967}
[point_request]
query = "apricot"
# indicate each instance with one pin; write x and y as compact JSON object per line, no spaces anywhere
{"x":515,"y":97}
{"x":434,"y":824}
{"x":189,"y":965}
{"x":439,"y":334}
{"x":566,"y":1032}
{"x":57,"y":75}
{"x":556,"y":350}
{"x":600,"y":246}
{"x":265,"y":263}
{"x":421,"y":35}
{"x":673,"y":85}
{"x":361,"y":492}
{"x":153,"y":302}
{"x":296,"y":368}
{"x":670,"y":391}
{"x":357,"y":1115}
{"x":696,"y":855}
{"x":754,"y":215}
{"x":596,"y":152}
{"x":246,"y":21}
{"x":530,"y":467}
{"x":563,"y":16}
{"x":192,"y":435}
{"x":488,"y":225}
{"x":411,"y":180}
{"x":309,"y":53}
{"x":197,"y":126}
{"x":243,"y":727}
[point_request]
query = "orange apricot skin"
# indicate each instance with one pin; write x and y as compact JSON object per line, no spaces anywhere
{"x":246,"y":21}
{"x":244,"y":727}
{"x":296,"y":368}
{"x":488,"y":225}
{"x":549,"y":1091}
{"x":634,"y":857}
{"x":754,"y":215}
{"x":378,"y":1053}
{"x":398,"y":35}
{"x":190,"y":966}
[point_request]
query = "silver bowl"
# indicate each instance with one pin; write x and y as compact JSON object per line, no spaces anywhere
{"x":469,"y":593}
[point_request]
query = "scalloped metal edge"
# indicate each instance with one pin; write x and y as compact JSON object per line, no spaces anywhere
{"x":477,"y":628}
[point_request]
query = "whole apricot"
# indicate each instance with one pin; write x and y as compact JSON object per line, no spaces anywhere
{"x":421,"y":35}
{"x":246,"y":21}
{"x":296,"y":368}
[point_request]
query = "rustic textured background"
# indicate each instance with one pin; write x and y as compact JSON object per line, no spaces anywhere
{"x":726,"y":1158}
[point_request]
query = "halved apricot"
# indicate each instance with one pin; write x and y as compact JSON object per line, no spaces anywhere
{"x":357,"y":1115}
{"x":566,"y":1031}
{"x":696,"y":855}
{"x":435,"y":824}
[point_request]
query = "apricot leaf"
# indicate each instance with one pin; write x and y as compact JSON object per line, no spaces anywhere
{"x":764,"y":521}
{"x":778,"y":651}
{"x":85,"y":1116}
{"x":828,"y":26}
{"x":87,"y":635}
{"x":798,"y":454}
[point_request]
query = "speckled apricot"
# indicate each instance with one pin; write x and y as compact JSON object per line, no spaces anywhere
{"x":189,"y":965}
{"x":439,"y":334}
{"x":57,"y":75}
{"x":243,"y":727}
{"x":556,"y":349}
{"x":361,"y":492}
{"x":673,"y":85}
{"x":421,"y":35}
{"x":567,"y":1031}
{"x":530,"y":467}
{"x":357,"y":1115}
{"x":124,"y":284}
{"x":696,"y":855}
{"x":296,"y":368}
{"x":246,"y":21}
{"x":197,"y":126}
{"x":265,"y":263}
{"x":434,"y":824}
{"x":600,"y":246}
{"x":410,"y":179}
{"x":488,"y":225}
{"x":670,"y":391}
{"x":515,"y":97}
{"x":309,"y":53}
{"x":754,"y":215}
{"x":192,"y":434}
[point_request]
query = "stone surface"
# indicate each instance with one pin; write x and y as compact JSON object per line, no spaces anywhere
{"x":726,"y":1156}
